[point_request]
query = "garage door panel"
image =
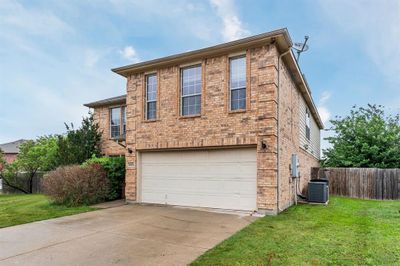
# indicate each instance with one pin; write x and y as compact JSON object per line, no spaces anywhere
{"x":231,"y":170}
{"x":204,"y":200}
{"x":217,"y":187}
{"x":178,"y":157}
{"x":213,"y":178}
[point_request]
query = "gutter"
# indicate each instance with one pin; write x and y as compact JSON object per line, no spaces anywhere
{"x":278,"y":138}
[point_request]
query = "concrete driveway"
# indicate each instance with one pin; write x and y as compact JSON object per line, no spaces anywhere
{"x":125,"y":235}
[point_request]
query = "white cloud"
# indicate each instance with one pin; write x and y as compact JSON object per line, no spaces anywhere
{"x":185,"y":17}
{"x":326,"y":95}
{"x":31,"y":21}
{"x":232,"y":26}
{"x":66,"y":46}
{"x":91,"y":58}
{"x":324,"y":113}
{"x":376,"y":24}
{"x":323,"y":110}
{"x":129,"y":53}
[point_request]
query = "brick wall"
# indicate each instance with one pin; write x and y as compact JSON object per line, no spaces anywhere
{"x":216,"y":127}
{"x":289,"y":109}
{"x":109,"y":147}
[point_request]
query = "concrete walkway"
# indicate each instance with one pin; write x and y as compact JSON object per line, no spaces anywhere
{"x":125,"y":235}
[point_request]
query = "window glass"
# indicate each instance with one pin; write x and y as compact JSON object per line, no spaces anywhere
{"x":191,"y":90}
{"x":237,"y":83}
{"x":115,"y":121}
{"x":151,"y":97}
{"x":124,"y":121}
{"x":308,"y":122}
{"x":151,"y":110}
{"x":238,"y":99}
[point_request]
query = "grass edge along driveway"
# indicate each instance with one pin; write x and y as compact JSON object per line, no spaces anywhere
{"x":346,"y":232}
{"x":21,"y":209}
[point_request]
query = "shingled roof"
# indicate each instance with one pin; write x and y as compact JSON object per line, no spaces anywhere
{"x":12,"y":147}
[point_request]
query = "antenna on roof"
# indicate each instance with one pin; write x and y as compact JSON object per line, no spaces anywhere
{"x":301,"y":47}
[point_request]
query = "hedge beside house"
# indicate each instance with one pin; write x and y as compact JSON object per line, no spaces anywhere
{"x":115,"y":168}
{"x":75,"y":185}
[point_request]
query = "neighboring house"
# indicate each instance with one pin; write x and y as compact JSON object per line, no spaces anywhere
{"x":215,"y":127}
{"x":11,"y":150}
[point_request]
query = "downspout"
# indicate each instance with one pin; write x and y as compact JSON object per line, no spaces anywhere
{"x":278,"y":138}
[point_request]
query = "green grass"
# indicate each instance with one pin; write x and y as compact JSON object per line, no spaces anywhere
{"x":20,"y":209}
{"x":346,"y":232}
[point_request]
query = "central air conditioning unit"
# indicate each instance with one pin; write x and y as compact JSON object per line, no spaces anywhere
{"x":318,"y":191}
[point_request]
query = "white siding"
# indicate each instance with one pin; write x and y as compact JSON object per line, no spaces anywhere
{"x":312,"y":146}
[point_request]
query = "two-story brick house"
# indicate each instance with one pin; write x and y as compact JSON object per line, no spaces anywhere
{"x":215,"y":127}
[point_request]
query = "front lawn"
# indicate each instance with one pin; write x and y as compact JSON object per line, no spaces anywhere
{"x":20,"y":209}
{"x":346,"y":232}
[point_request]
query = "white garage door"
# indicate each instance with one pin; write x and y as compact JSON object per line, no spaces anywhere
{"x":224,"y":178}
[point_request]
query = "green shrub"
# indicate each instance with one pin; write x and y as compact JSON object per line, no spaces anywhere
{"x":78,"y":145}
{"x":75,"y":185}
{"x":115,"y":168}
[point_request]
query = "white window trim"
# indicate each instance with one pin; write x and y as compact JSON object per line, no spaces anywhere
{"x":121,"y":125}
{"x":308,"y":125}
{"x":146,"y":99}
{"x":237,"y":54}
{"x":199,"y":64}
{"x":232,"y":57}
{"x":193,"y":63}
{"x":153,"y":72}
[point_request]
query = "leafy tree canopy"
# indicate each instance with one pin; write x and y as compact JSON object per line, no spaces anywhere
{"x":365,"y":138}
{"x":48,"y":152}
{"x":34,"y":156}
{"x":38,"y":155}
{"x":78,"y":145}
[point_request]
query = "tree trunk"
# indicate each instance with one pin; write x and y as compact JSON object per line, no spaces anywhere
{"x":32,"y":175}
{"x":13,"y":186}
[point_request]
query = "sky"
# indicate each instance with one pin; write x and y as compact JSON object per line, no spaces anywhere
{"x":57,"y":55}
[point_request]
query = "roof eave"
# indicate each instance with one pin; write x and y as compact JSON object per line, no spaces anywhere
{"x":304,"y":88}
{"x":281,"y":36}
{"x":107,"y":102}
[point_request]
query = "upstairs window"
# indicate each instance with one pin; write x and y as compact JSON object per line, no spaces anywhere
{"x":151,"y":97}
{"x":237,"y":83}
{"x":118,"y":122}
{"x":308,"y":124}
{"x":123,"y":121}
{"x":191,"y":90}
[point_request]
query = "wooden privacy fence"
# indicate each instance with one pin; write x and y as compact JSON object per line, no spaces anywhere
{"x":363,"y":183}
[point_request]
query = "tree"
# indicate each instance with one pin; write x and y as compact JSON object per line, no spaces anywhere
{"x":365,"y":138}
{"x":34,"y":156}
{"x":78,"y":145}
